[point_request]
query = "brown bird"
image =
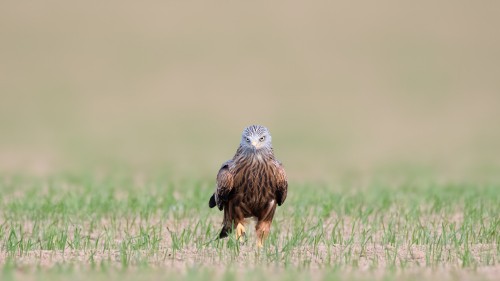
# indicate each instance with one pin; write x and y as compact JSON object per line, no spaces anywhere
{"x":250,"y":185}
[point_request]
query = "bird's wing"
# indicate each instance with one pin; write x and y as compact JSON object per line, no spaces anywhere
{"x":281,"y":183}
{"x":225,"y":182}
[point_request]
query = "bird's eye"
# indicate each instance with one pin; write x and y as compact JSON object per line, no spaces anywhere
{"x":262,"y":138}
{"x":248,"y":140}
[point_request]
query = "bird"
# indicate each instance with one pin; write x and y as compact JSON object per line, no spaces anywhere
{"x":251,"y":184}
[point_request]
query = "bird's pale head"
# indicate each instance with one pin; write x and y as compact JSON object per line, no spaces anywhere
{"x":256,"y":138}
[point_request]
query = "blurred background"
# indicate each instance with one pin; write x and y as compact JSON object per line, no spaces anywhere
{"x":166,"y":87}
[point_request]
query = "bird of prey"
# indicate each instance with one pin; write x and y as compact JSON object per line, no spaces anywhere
{"x":250,"y":185}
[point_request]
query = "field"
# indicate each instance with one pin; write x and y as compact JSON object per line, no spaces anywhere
{"x":115,"y":118}
{"x":69,"y":225}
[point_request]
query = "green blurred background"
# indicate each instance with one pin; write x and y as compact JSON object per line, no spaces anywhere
{"x":354,"y":89}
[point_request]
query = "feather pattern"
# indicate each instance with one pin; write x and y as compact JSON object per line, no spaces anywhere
{"x":250,"y":184}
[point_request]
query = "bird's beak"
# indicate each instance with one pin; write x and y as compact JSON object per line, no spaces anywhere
{"x":254,"y":143}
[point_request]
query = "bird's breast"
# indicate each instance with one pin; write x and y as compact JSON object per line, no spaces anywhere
{"x":255,"y":178}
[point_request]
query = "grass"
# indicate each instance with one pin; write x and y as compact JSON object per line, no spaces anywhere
{"x":116,"y":225}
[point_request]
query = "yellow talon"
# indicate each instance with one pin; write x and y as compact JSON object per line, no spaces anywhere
{"x":240,"y":231}
{"x":260,"y":242}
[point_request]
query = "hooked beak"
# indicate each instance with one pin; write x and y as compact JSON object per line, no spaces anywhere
{"x":254,"y":143}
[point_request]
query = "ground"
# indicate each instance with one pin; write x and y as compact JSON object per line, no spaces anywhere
{"x":69,"y":226}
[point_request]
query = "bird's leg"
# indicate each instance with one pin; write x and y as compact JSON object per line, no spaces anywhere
{"x":239,"y":221}
{"x":262,"y":228}
{"x":240,"y":231}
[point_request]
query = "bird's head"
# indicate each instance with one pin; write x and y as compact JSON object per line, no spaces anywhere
{"x":255,"y":138}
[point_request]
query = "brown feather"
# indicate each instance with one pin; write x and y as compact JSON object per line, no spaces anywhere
{"x":250,"y":185}
{"x":224,"y":184}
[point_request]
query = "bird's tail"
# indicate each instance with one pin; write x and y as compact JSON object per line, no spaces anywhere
{"x":224,"y":232}
{"x":227,"y":224}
